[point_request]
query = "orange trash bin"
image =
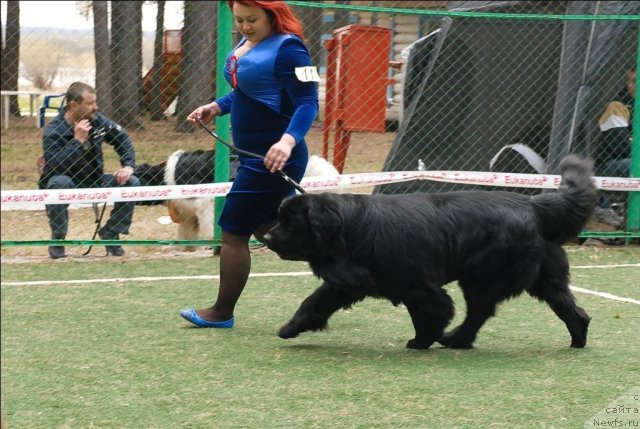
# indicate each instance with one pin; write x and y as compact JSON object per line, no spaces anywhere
{"x":356,"y":85}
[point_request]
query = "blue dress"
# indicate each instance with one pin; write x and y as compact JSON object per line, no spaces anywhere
{"x":268,"y":101}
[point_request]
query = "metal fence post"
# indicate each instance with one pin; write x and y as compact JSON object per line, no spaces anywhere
{"x":633,"y":211}
{"x":222,"y":123}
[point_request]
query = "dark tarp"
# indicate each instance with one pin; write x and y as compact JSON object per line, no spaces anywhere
{"x":480,"y":84}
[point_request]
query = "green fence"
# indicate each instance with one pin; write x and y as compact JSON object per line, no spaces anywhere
{"x":506,"y":87}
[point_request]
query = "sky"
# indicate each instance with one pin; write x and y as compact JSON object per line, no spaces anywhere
{"x":64,"y":14}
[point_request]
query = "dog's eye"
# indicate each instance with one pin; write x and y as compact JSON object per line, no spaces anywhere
{"x":285,"y":219}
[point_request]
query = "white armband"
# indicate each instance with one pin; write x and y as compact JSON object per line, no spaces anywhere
{"x":307,"y":74}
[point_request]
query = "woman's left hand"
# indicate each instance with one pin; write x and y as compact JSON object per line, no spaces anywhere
{"x":279,"y":153}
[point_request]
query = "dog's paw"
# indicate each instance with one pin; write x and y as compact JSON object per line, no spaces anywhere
{"x":579,"y":344}
{"x":579,"y":341}
{"x":579,"y":337}
{"x":288,"y":331}
{"x":452,"y":341}
{"x":418,"y":345}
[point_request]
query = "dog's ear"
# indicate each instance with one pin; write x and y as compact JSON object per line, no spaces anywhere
{"x":325,"y":219}
{"x":141,"y":168}
{"x":142,"y":171}
{"x":150,"y":175}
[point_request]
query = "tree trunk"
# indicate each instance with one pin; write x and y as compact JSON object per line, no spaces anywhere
{"x":311,"y":18}
{"x":198,"y":60}
{"x":155,"y":105}
{"x":126,"y":62}
{"x":11,"y":55}
{"x":102,"y":55}
{"x":341,"y":15}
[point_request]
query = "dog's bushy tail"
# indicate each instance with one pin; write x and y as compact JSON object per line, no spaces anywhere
{"x":563,"y":214}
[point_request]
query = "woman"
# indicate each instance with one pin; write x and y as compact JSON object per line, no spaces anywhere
{"x":273,"y":103}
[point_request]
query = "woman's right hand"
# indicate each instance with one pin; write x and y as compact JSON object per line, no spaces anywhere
{"x":205,"y":113}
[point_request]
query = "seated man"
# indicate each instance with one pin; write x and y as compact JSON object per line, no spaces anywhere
{"x":613,"y":153}
{"x":72,"y":145}
{"x":613,"y":150}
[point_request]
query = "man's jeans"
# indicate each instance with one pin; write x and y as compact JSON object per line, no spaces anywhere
{"x":614,"y":168}
{"x":119,"y":220}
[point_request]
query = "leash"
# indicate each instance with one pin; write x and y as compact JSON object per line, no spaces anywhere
{"x":251,"y":155}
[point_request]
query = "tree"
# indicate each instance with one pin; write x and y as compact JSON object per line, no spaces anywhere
{"x":11,"y":55}
{"x":102,"y":53}
{"x":37,"y":70}
{"x":341,"y":15}
{"x":198,"y":60}
{"x":101,"y":49}
{"x":155,"y":105}
{"x":126,"y":62}
{"x":311,"y":18}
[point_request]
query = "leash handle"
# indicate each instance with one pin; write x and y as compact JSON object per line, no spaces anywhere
{"x":230,"y":146}
{"x":250,"y":155}
{"x":292,"y":182}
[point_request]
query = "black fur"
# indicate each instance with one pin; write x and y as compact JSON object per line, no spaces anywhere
{"x":192,"y":168}
{"x":406,"y":247}
{"x":150,"y":175}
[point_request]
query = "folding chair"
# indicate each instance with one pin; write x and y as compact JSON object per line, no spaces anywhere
{"x":40,"y":161}
{"x":46,"y":105}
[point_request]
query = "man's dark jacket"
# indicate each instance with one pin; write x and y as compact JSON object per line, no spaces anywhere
{"x":84,"y":163}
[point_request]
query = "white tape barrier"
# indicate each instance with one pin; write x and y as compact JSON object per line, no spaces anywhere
{"x":16,"y":199}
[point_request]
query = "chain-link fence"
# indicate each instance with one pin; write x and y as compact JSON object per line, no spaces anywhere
{"x":435,"y":85}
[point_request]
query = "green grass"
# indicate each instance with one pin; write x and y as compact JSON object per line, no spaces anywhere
{"x":117,"y":355}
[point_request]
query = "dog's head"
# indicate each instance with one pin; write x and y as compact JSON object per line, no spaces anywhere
{"x":308,"y":228}
{"x":150,"y":175}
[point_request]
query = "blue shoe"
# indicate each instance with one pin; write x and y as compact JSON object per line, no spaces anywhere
{"x":191,"y":315}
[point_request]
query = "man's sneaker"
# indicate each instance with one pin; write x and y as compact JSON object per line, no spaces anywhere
{"x":111,"y":250}
{"x":115,"y":250}
{"x":609,"y":217}
{"x":56,"y":252}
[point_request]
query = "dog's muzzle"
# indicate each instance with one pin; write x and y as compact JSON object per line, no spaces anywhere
{"x":267,"y":239}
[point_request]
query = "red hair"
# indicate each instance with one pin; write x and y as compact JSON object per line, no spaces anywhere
{"x":282,"y":17}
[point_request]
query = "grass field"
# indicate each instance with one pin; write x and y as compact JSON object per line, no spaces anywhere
{"x":112,"y":352}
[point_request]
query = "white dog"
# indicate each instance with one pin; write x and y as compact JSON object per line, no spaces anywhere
{"x":195,"y":216}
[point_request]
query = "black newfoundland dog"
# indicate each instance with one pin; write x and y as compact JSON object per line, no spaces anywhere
{"x":405,"y":248}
